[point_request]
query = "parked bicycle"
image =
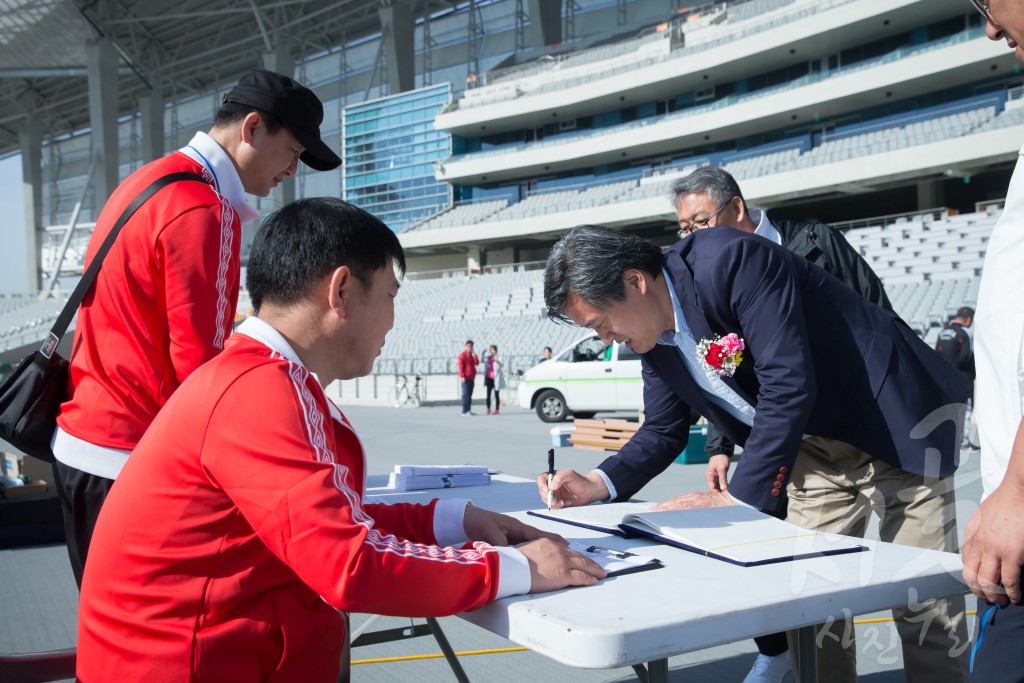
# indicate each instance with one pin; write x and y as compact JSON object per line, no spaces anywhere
{"x":401,"y":395}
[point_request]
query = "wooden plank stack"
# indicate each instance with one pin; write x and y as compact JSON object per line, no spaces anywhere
{"x":602,"y":435}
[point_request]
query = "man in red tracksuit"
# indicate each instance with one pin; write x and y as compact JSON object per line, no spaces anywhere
{"x":467,"y":376}
{"x":237,"y":529}
{"x":165,"y":298}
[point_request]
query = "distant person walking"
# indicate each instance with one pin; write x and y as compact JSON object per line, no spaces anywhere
{"x":494,"y":378}
{"x":467,"y":375}
{"x":955,"y":345}
{"x":546,"y":355}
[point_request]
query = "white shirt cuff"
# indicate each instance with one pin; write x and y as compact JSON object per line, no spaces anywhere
{"x":448,"y":522}
{"x":612,"y":493}
{"x":513,"y":574}
{"x":740,"y":502}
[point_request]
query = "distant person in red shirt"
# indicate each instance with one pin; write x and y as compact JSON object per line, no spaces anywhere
{"x":164,"y":300}
{"x":467,"y":375}
{"x":237,"y":535}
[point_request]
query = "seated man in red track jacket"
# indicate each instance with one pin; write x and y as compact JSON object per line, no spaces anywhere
{"x":237,"y":529}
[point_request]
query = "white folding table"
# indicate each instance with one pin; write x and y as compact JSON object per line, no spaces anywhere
{"x":694,"y":602}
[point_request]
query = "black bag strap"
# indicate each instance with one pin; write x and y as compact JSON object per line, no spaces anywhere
{"x":65,"y":317}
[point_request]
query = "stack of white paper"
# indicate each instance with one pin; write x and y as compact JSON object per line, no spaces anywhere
{"x":415,"y":477}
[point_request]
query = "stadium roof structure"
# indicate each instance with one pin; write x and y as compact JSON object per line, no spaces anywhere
{"x":180,"y":46}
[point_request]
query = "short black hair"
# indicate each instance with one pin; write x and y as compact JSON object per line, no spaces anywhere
{"x":965,"y":312}
{"x":589,"y":263}
{"x":231,"y":113}
{"x":303,"y":241}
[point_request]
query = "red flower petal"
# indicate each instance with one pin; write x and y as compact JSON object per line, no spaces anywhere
{"x":715,"y":355}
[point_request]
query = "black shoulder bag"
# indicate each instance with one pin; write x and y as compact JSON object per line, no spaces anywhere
{"x":30,"y":399}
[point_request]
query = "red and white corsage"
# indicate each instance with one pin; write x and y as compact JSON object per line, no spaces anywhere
{"x":721,"y":355}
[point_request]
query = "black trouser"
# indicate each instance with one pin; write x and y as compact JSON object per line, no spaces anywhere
{"x":772,"y":644}
{"x":996,"y":654}
{"x":489,"y":383}
{"x":81,"y":497}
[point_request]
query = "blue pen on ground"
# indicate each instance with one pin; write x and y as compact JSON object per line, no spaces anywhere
{"x":551,"y":472}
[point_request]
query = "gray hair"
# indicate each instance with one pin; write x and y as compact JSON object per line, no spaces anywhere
{"x":589,"y":262}
{"x":717,"y":183}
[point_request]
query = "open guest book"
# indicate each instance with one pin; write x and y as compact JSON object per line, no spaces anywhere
{"x":735,"y":534}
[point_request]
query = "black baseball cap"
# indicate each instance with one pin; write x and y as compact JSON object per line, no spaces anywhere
{"x":298,"y":108}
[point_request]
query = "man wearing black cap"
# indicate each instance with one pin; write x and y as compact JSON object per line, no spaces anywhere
{"x":165,"y":297}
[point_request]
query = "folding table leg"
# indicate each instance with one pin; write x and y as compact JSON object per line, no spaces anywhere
{"x":449,"y":653}
{"x":807,"y":658}
{"x":655,"y":671}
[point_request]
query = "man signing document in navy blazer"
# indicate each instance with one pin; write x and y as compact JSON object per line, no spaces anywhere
{"x":833,"y":398}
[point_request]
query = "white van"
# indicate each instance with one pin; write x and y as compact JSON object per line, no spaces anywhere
{"x":586,"y":378}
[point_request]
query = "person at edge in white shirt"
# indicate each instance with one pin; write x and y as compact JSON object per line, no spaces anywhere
{"x":994,"y":537}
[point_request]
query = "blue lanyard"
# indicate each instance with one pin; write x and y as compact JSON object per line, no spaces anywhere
{"x":985,"y":621}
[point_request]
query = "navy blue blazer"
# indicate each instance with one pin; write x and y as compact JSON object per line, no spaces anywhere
{"x":819,"y":360}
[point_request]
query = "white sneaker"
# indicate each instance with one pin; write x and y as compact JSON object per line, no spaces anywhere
{"x":769,"y":669}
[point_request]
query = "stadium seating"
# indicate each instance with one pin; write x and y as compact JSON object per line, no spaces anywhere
{"x":26,"y":320}
{"x":957,"y":119}
{"x":465,"y":214}
{"x":566,"y":200}
{"x":434,"y":318}
{"x":927,"y":131}
{"x":713,"y":27}
{"x":930,"y":263}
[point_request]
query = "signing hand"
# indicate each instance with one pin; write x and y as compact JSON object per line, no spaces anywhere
{"x":498,"y":529}
{"x":715,"y":474}
{"x":571,"y":489}
{"x":695,"y":501}
{"x":554,"y":566}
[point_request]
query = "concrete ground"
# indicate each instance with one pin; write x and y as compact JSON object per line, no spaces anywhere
{"x":38,"y":596}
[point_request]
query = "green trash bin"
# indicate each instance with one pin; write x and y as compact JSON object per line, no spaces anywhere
{"x":694,"y":451}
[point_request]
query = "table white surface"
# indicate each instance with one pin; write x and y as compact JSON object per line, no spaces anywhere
{"x":694,"y":602}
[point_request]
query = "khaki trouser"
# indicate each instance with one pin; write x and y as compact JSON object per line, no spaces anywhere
{"x":834,"y":488}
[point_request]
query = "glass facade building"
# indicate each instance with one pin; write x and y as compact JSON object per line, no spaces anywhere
{"x":390,"y":146}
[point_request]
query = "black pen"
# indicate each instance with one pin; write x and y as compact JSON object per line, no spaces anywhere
{"x":551,"y":472}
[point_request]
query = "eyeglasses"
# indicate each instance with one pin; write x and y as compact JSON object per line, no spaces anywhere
{"x":981,"y":7}
{"x":687,"y":230}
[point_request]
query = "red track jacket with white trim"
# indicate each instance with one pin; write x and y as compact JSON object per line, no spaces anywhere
{"x":162,"y":305}
{"x":237,"y":529}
